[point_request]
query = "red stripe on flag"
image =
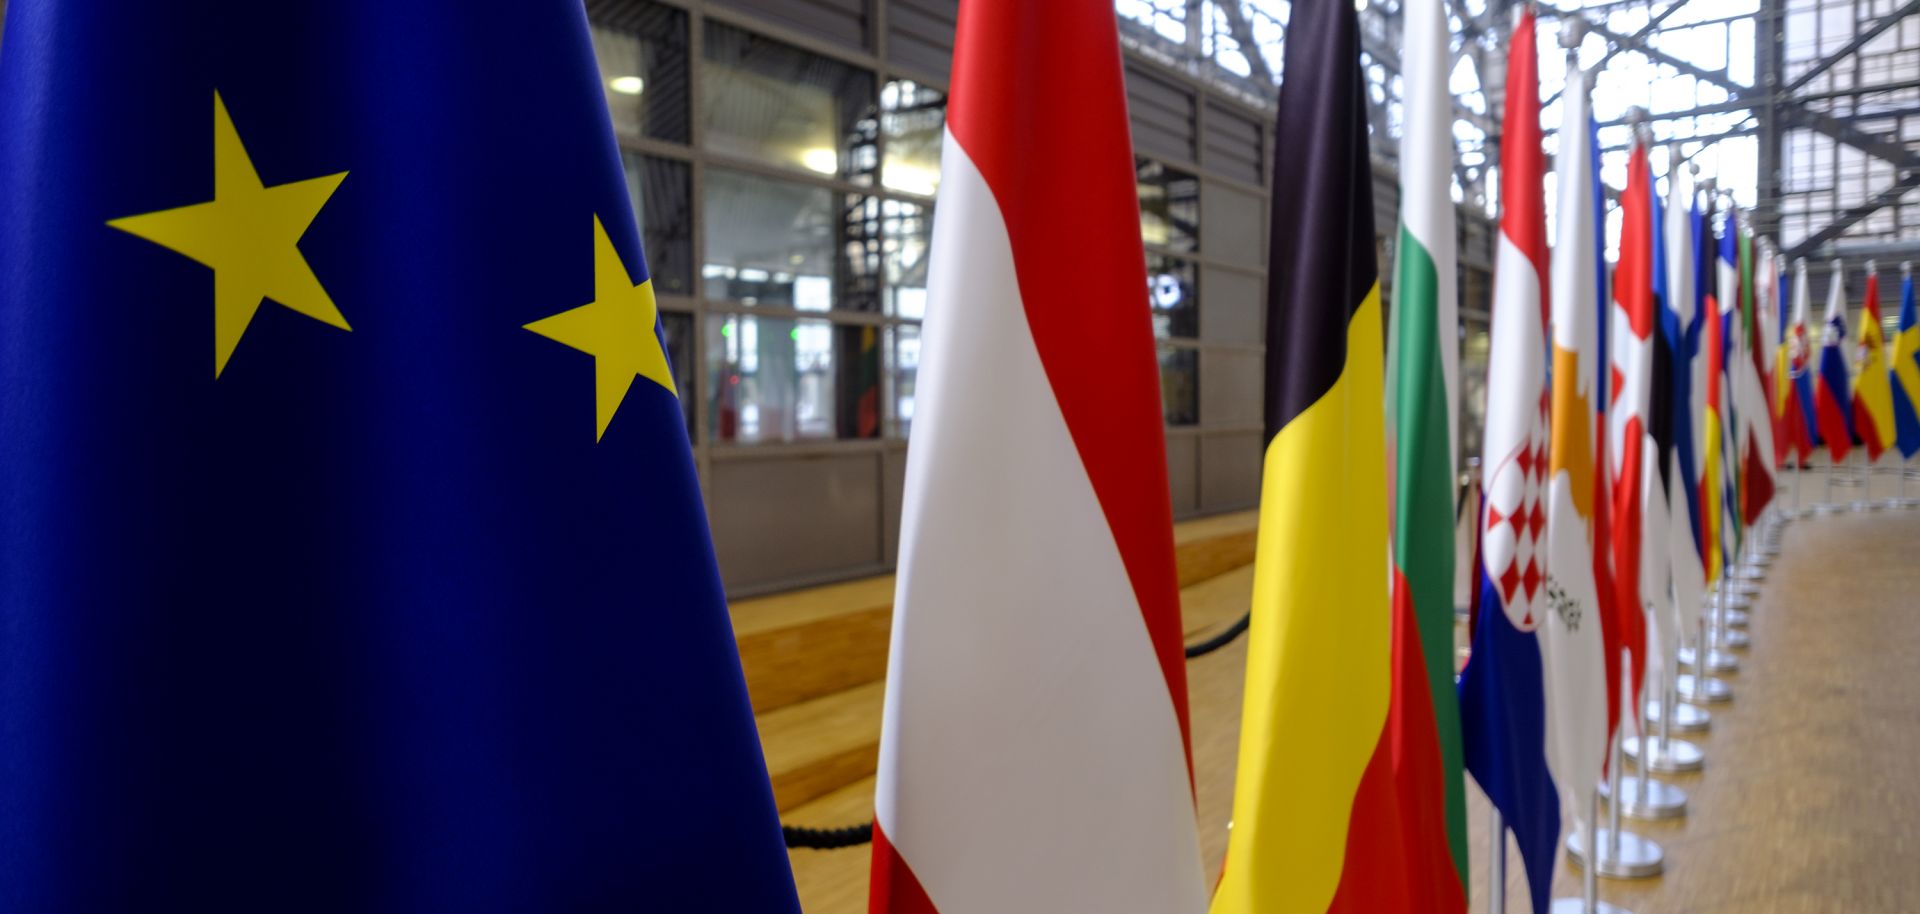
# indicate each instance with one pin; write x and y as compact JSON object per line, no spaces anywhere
{"x":1063,"y":176}
{"x":892,"y":887}
{"x":1397,"y":856}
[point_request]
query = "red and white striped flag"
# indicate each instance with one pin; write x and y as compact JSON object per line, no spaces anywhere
{"x":1034,"y":753}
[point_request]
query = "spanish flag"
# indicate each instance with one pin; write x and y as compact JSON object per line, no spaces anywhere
{"x":1338,"y":800}
{"x":1873,"y":392}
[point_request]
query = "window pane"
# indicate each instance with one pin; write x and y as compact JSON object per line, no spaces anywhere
{"x":773,"y":242}
{"x":678,"y":327}
{"x":909,"y":230}
{"x":1171,"y":285}
{"x":913,"y":118}
{"x":642,"y":50}
{"x":903,"y":360}
{"x":859,"y":407}
{"x":1169,"y":206}
{"x":1180,"y":385}
{"x":773,"y":102}
{"x":661,"y":197}
{"x":770,"y":379}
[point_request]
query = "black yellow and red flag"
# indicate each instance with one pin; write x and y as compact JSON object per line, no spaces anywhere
{"x":1338,"y":802}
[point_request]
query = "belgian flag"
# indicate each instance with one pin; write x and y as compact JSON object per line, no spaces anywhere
{"x":1338,"y":799}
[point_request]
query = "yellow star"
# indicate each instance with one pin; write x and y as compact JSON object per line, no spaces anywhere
{"x":616,"y":328}
{"x":247,"y":233}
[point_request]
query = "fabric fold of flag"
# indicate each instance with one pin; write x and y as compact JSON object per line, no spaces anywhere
{"x":1796,"y":378}
{"x":1905,"y":369}
{"x":1503,"y":690}
{"x":1832,"y":388}
{"x":412,"y":602}
{"x":1680,"y":327}
{"x":1422,"y":387}
{"x":1638,"y":560}
{"x":1036,"y":514}
{"x":1872,"y":392}
{"x":1357,"y":824}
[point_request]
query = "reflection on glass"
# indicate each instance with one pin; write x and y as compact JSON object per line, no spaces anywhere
{"x":1180,"y":385}
{"x":913,"y":119}
{"x":908,"y":228}
{"x":678,"y":328}
{"x":776,"y":103}
{"x":770,"y":379}
{"x":1169,"y":206}
{"x":1171,"y":284}
{"x":642,"y":50}
{"x":661,"y":201}
{"x":859,"y":363}
{"x":903,"y":357}
{"x":768,"y":242}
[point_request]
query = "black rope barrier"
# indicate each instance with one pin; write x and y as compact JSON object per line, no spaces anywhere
{"x":828,"y":839}
{"x":1220,"y":640}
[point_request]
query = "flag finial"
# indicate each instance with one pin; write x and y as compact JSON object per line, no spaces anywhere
{"x":1573,"y":31}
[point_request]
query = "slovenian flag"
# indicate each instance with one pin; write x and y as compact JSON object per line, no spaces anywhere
{"x":1036,"y":513}
{"x":1832,"y":398}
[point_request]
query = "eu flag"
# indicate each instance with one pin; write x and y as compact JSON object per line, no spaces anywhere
{"x":351,"y":552}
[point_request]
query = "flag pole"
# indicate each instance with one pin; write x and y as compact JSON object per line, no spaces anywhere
{"x":1615,"y":852}
{"x":1646,"y":798}
{"x":1497,"y":864}
{"x":1589,"y":901}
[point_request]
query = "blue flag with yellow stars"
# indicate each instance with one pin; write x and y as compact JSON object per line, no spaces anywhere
{"x":351,"y":552}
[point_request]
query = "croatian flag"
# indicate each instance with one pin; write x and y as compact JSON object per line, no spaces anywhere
{"x":1504,"y":713}
{"x":1796,"y":381}
{"x":1033,"y":752}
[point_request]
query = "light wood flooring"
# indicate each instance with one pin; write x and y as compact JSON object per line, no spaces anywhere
{"x":1810,"y":801}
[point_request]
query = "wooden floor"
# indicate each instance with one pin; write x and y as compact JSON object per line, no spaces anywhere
{"x":1810,"y":801}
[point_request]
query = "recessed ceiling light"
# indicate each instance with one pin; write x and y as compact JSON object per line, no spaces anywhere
{"x":627,"y":85}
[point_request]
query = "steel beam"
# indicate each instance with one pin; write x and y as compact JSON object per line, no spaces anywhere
{"x":1850,"y":48}
{"x":1907,"y":181}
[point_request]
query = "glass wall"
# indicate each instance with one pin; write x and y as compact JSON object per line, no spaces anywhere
{"x":784,"y":183}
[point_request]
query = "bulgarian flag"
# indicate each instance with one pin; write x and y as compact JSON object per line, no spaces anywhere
{"x":1873,"y":389}
{"x":1422,"y":388}
{"x":1338,"y":800}
{"x":1033,"y":748}
{"x":1503,"y":691}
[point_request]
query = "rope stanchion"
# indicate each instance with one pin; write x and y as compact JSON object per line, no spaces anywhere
{"x":827,"y":839}
{"x":1220,"y":640}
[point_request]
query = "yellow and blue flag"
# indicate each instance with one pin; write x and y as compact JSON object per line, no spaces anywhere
{"x":1906,"y":372}
{"x":351,"y":552}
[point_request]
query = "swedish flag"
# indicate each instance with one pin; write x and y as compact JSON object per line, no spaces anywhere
{"x":351,"y":552}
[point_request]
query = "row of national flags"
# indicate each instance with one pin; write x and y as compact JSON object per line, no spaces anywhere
{"x":412,"y":604}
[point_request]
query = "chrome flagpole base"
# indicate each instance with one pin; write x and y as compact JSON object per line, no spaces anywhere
{"x":1730,"y":638}
{"x":1741,"y":592}
{"x":1709,"y":690}
{"x":1734,"y":600}
{"x":1661,"y":800}
{"x":1686,"y":718}
{"x":1636,"y":857}
{"x":1579,"y":906}
{"x":1679,"y":757}
{"x":1735,"y":618}
{"x":1748,"y":572}
{"x":1718,"y":661}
